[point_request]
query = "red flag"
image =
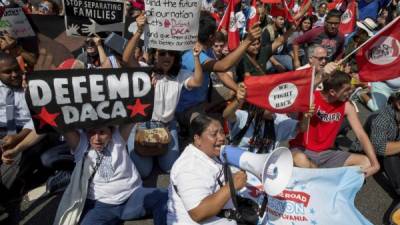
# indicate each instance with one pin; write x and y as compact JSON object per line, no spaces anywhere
{"x":336,"y":4}
{"x":283,"y":93}
{"x":254,"y":17}
{"x":348,"y":20}
{"x":228,"y":23}
{"x":281,"y":9}
{"x":379,"y":58}
{"x":271,"y":1}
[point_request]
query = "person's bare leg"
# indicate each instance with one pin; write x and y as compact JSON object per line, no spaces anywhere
{"x":301,"y":160}
{"x":357,"y":160}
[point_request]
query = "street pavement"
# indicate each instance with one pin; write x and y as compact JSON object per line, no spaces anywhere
{"x":372,"y":200}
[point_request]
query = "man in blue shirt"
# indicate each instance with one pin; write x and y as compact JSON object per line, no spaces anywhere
{"x":190,"y":102}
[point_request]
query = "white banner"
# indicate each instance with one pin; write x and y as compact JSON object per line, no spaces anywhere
{"x":313,"y":196}
{"x":15,"y":23}
{"x":173,"y":25}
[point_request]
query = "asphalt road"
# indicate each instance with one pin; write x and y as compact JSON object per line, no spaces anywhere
{"x":372,"y":200}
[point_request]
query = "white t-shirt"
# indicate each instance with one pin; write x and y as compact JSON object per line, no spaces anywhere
{"x":166,"y":95}
{"x":125,"y":179}
{"x":195,"y":176}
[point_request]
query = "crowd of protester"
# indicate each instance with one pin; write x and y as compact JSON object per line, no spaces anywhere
{"x":199,"y":95}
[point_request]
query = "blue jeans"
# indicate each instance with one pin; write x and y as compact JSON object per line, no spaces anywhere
{"x":285,"y":60}
{"x":380,"y":93}
{"x":142,"y":202}
{"x":145,"y":164}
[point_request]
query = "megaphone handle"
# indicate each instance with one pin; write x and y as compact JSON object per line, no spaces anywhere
{"x":229,"y":178}
{"x":263,"y":205}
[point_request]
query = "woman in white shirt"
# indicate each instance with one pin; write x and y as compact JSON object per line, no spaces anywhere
{"x":197,"y":192}
{"x":168,"y":79}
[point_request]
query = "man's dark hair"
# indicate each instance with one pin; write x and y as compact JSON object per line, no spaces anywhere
{"x":220,"y":37}
{"x":333,"y":13}
{"x":207,"y":27}
{"x":336,"y":81}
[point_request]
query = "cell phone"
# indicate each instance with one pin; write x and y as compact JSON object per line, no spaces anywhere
{"x":116,"y":42}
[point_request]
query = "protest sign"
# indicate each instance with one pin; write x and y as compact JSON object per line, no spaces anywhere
{"x":87,"y":17}
{"x":313,"y":196}
{"x":15,"y":23}
{"x":283,"y":93}
{"x":71,"y":99}
{"x":173,"y":25}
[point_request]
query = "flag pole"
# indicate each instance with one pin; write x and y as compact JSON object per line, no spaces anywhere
{"x":311,"y":101}
{"x":367,"y":41}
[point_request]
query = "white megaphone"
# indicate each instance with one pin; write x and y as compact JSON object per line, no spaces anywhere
{"x":273,"y":169}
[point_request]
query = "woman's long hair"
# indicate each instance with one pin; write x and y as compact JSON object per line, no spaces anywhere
{"x":176,"y":66}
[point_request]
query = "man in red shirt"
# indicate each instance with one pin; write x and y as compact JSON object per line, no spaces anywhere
{"x":327,"y":36}
{"x":313,"y":148}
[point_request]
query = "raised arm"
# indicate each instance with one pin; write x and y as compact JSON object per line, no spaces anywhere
{"x":230,"y":111}
{"x":232,"y":58}
{"x":133,"y":42}
{"x":104,"y":61}
{"x":197,"y":79}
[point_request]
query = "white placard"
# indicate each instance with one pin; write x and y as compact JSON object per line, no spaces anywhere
{"x":173,"y":24}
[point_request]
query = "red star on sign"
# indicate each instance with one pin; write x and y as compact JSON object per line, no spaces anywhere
{"x":46,"y":118}
{"x":138,"y":108}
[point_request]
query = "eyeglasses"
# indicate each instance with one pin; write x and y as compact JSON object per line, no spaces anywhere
{"x":320,"y":58}
{"x":332,"y":23}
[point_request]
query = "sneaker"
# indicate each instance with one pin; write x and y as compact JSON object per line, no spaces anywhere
{"x":355,"y":96}
{"x":58,"y":182}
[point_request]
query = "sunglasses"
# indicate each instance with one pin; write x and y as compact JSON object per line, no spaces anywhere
{"x":321,"y":58}
{"x":164,"y":53}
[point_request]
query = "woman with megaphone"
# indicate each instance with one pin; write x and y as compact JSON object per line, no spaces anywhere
{"x":197,"y":192}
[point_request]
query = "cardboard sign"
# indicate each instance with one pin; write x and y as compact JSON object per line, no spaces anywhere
{"x":87,"y":17}
{"x":72,"y":99}
{"x":15,"y":23}
{"x":173,"y":25}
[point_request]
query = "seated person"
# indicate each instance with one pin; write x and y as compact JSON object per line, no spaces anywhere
{"x":257,"y":129}
{"x":105,"y":186}
{"x":193,"y":102}
{"x":197,"y":192}
{"x":313,"y":148}
{"x":168,"y":79}
{"x":384,"y":134}
{"x":19,"y":142}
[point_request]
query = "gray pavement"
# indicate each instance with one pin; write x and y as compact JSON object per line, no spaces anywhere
{"x":372,"y":200}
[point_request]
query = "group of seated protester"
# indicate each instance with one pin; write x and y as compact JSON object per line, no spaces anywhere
{"x":98,"y":169}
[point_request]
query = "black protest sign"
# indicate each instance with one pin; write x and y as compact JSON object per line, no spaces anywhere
{"x":87,"y":17}
{"x":72,"y":99}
